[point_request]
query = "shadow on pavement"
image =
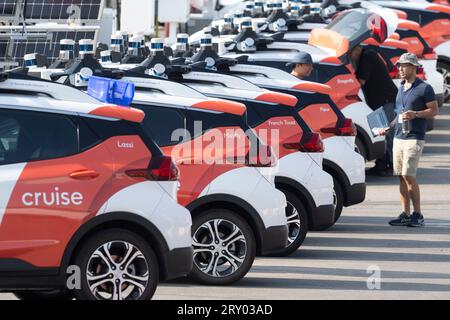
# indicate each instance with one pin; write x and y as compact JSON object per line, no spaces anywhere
{"x":347,"y":272}
{"x":373,"y":243}
{"x":343,"y":255}
{"x":379,"y":225}
{"x":252,"y":282}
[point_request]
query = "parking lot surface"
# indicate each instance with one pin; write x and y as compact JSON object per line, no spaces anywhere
{"x":344,"y":262}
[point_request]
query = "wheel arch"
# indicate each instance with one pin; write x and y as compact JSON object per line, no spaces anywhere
{"x":121,"y":220}
{"x":296,"y":188}
{"x":335,"y":171}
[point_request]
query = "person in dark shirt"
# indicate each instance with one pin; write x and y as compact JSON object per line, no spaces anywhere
{"x":373,"y":75}
{"x":379,"y":91}
{"x":415,"y":103}
{"x":302,"y":65}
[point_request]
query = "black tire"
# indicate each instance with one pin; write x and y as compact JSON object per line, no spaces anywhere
{"x":300,"y":235}
{"x":360,"y":148}
{"x":246,"y":252}
{"x":339,"y":194}
{"x":147,"y":263}
{"x":444,"y":68}
{"x":51,"y":295}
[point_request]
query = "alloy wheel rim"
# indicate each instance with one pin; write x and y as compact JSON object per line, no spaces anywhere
{"x":293,"y":223}
{"x":117,"y":270}
{"x":219,"y":247}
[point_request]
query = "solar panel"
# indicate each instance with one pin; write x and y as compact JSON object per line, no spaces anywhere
{"x":47,"y":45}
{"x":8,"y":7}
{"x":63,"y":9}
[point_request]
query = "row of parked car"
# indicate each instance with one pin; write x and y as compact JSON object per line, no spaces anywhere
{"x":127,"y":164}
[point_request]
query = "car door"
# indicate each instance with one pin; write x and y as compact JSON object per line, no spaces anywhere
{"x":58,"y":176}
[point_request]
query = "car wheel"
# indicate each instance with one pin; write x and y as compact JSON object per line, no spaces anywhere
{"x":444,"y":69}
{"x":116,"y":264}
{"x":50,"y":295}
{"x":338,"y":199}
{"x":224,"y":247}
{"x":297,"y":221}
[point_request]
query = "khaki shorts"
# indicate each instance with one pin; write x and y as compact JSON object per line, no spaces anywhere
{"x":407,"y":154}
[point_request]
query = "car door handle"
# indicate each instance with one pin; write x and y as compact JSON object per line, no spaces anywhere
{"x":84,"y":174}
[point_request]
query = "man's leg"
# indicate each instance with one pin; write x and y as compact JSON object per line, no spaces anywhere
{"x":404,"y":219}
{"x":414,"y":192}
{"x":405,"y":198}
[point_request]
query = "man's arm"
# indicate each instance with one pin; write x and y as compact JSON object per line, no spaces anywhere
{"x":432,"y":108}
{"x":431,"y":112}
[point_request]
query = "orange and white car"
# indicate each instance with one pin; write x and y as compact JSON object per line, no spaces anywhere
{"x":84,"y":192}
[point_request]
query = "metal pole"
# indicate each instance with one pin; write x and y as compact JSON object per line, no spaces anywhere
{"x":156,"y":18}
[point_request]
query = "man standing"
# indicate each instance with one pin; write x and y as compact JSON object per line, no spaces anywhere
{"x":302,"y":65}
{"x":415,"y":103}
{"x":380,"y":91}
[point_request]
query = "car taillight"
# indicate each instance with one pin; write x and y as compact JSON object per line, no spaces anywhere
{"x":265,"y":157}
{"x":379,"y":29}
{"x":394,"y":72}
{"x":344,"y":127}
{"x":311,"y":142}
{"x":421,"y":74}
{"x":160,"y":169}
{"x":429,"y":54}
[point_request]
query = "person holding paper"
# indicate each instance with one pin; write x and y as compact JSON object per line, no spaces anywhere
{"x":415,"y":103}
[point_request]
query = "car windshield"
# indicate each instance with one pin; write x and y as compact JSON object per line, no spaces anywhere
{"x":352,"y":25}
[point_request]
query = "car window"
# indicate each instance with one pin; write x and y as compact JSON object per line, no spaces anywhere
{"x":31,"y":136}
{"x":161,"y":123}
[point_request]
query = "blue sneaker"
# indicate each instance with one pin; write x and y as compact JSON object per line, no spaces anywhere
{"x":417,"y":220}
{"x":403,"y":220}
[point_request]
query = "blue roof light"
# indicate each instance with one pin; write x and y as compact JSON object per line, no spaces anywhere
{"x":111,"y":91}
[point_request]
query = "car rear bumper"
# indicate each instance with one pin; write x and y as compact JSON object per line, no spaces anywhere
{"x":323,"y":217}
{"x":376,"y":150}
{"x":178,"y":263}
{"x":274,"y":239}
{"x":356,"y":193}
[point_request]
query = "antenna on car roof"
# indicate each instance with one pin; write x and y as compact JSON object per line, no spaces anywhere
{"x":278,"y":18}
{"x":136,"y":52}
{"x":35,"y":60}
{"x":66,"y":54}
{"x":211,"y":60}
{"x":315,"y":13}
{"x":259,"y":9}
{"x":246,"y":39}
{"x":157,"y":61}
{"x":182,"y":49}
